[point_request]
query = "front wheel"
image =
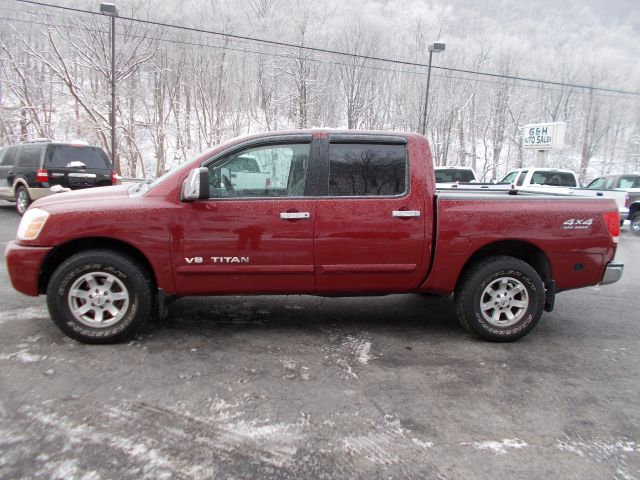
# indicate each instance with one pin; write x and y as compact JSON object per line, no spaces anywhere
{"x":500,"y":299}
{"x":634,"y":226}
{"x":99,"y":296}
{"x":22,"y":200}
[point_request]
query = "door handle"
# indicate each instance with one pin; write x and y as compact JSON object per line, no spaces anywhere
{"x":294,"y":215}
{"x":405,"y":213}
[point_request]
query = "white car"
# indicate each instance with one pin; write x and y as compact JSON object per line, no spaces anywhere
{"x":523,"y":178}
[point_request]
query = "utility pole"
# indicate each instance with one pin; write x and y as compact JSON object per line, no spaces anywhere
{"x":111,"y":10}
{"x":437,"y":48}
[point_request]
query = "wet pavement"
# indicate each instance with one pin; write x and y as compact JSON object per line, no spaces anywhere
{"x":304,"y":387}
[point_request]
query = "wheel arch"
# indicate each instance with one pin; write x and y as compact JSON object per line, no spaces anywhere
{"x":64,"y":251}
{"x":525,"y":251}
{"x":633,"y":208}
{"x":20,"y":182}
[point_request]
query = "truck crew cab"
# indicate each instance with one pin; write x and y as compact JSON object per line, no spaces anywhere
{"x":344,"y":213}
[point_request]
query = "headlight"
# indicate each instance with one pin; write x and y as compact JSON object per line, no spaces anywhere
{"x":32,"y":224}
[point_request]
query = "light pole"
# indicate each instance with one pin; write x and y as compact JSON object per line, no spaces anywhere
{"x":111,"y":10}
{"x":437,"y":48}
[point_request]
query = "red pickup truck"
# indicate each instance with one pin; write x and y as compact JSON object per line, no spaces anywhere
{"x":345,"y":213}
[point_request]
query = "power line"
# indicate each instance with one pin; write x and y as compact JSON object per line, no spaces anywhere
{"x":288,"y":56}
{"x":336,"y":52}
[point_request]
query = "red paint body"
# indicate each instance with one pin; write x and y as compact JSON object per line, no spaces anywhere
{"x":348,"y":246}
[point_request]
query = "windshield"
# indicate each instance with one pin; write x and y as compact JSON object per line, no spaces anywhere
{"x":510,"y":178}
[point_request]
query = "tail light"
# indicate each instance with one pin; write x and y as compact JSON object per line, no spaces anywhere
{"x":267,"y":183}
{"x":612,"y":220}
{"x":115,"y":178}
{"x":626,"y":200}
{"x":42,"y":176}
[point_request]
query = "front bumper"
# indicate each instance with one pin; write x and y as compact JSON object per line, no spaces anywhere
{"x":612,"y":273}
{"x":24,"y":265}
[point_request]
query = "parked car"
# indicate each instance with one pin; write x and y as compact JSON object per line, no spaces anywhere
{"x":358,"y":214}
{"x":29,"y":170}
{"x":244,"y":173}
{"x":629,"y":183}
{"x":551,"y":180}
{"x":446,"y":176}
{"x":533,"y":177}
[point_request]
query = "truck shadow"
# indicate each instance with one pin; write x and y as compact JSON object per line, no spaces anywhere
{"x":404,"y":315}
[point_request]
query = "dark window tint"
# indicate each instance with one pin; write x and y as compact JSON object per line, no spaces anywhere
{"x":69,"y":156}
{"x":557,"y":179}
{"x":367,"y":169}
{"x":6,"y":156}
{"x":29,"y":156}
{"x":521,"y":178}
{"x":451,"y":175}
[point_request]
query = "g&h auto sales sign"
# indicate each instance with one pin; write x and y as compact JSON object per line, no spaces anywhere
{"x":544,"y":136}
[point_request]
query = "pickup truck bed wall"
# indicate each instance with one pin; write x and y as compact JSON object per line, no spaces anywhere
{"x":525,"y":220}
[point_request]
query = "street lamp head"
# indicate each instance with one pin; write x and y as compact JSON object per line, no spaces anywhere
{"x":437,"y":47}
{"x":110,"y":9}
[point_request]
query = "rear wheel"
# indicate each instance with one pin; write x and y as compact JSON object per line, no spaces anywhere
{"x":99,"y":296}
{"x":22,"y":200}
{"x":500,"y":299}
{"x":635,"y":223}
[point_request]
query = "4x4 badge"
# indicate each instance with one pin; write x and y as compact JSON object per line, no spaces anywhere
{"x":577,"y":224}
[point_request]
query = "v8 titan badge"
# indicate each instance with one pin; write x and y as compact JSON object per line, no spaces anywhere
{"x":201,"y":260}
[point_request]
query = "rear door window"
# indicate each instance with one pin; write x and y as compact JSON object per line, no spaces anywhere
{"x":6,"y":156}
{"x":629,"y":182}
{"x":70,"y":156}
{"x":30,"y":156}
{"x":361,"y":170}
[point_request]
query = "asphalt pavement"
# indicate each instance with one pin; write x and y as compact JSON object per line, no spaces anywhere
{"x":341,"y":388}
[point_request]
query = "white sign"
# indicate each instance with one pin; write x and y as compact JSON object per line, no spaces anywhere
{"x":544,"y":136}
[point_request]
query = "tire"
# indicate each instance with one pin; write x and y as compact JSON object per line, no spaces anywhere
{"x":634,"y":226}
{"x":487,"y":305}
{"x":22,"y":200}
{"x":99,"y":296}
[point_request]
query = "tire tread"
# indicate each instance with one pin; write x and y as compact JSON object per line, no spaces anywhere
{"x":473,"y":274}
{"x":144,"y":295}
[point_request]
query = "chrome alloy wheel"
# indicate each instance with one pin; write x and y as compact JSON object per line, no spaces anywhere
{"x":635,"y":224}
{"x":22,"y":200}
{"x":98,"y":299}
{"x":504,"y":302}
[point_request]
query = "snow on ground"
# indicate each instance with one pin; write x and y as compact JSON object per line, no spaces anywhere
{"x":500,"y":447}
{"x":23,"y":313}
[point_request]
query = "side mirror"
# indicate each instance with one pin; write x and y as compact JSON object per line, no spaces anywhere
{"x":196,"y":185}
